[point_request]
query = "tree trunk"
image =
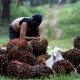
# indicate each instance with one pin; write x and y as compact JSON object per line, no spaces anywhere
{"x":51,"y":2}
{"x":68,"y":1}
{"x":6,"y":11}
{"x":73,"y":1}
{"x":31,"y":3}
{"x":19,"y":2}
{"x":35,"y":2}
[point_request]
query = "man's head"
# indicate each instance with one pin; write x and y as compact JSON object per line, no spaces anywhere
{"x":36,"y":19}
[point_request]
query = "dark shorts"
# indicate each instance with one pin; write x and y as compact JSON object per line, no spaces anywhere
{"x":12,"y":33}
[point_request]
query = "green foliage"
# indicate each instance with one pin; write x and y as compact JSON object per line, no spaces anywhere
{"x":40,"y":9}
{"x":70,"y":15}
{"x":51,"y":33}
{"x":3,"y":36}
{"x":69,"y":21}
{"x":20,"y":11}
{"x":26,"y":11}
{"x":70,"y":30}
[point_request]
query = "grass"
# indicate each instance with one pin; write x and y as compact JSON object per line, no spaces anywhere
{"x":63,"y":44}
{"x":3,"y":36}
{"x":71,"y":76}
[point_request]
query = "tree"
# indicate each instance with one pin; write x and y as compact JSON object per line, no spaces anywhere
{"x":51,"y":2}
{"x":6,"y":11}
{"x":19,"y":2}
{"x":73,"y":1}
{"x":35,"y":2}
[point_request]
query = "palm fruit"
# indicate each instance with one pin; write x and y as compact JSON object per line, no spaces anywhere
{"x":62,"y":66}
{"x":19,"y":69}
{"x":39,"y":47}
{"x":19,"y":44}
{"x":73,"y":55}
{"x":24,"y":56}
{"x":41,"y":59}
{"x":3,"y":63}
{"x":78,"y":69}
{"x":42,"y":71}
{"x":19,"y":49}
{"x":2,"y":51}
{"x":28,"y":58}
{"x":77,"y":42}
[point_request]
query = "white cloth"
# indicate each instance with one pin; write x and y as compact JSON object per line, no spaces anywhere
{"x":55,"y":56}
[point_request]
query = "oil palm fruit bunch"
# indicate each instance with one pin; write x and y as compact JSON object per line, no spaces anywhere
{"x":62,"y":66}
{"x":3,"y":63}
{"x":19,"y":45}
{"x":39,"y":47}
{"x":42,"y":71}
{"x":77,"y":42}
{"x":73,"y":55}
{"x":19,"y":69}
{"x":28,"y":58}
{"x":24,"y":56}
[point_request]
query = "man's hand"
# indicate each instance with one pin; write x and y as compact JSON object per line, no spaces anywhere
{"x":39,"y":39}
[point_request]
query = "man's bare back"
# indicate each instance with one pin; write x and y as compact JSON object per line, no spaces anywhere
{"x":15,"y":24}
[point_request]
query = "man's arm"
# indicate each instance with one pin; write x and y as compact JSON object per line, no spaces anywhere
{"x":38,"y":32}
{"x":23,"y":33}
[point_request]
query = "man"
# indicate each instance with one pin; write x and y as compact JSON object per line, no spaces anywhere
{"x":26,"y":28}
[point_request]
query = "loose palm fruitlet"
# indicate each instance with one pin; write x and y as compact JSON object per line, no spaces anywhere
{"x":78,"y":69}
{"x":62,"y":66}
{"x":19,"y":69}
{"x":3,"y":63}
{"x":42,"y":70}
{"x":39,"y":48}
{"x":77,"y":42}
{"x":41,"y":59}
{"x":73,"y":55}
{"x":19,"y":44}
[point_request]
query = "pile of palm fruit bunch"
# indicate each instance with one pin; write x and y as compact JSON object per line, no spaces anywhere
{"x":62,"y":66}
{"x":18,"y":49}
{"x":19,"y":69}
{"x":21,"y":62}
{"x":26,"y":59}
{"x":73,"y":55}
{"x":39,"y":47}
{"x":23,"y":70}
